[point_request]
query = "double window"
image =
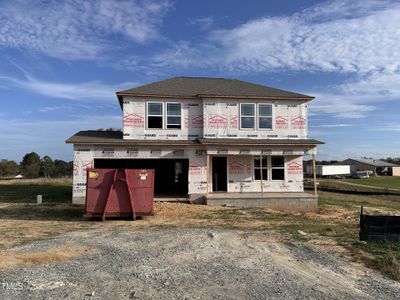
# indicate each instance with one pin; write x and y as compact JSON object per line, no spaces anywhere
{"x":155,"y":115}
{"x":261,"y":168}
{"x":252,"y":115}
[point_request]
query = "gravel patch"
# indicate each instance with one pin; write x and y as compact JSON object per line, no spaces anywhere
{"x":182,"y":263}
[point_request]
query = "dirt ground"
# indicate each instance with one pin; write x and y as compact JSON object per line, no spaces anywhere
{"x":182,"y":252}
{"x":126,"y":262}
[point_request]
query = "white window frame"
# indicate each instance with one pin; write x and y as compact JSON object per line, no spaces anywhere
{"x":149,"y":115}
{"x":278,"y":168}
{"x":254,"y":116}
{"x":258,"y":116}
{"x":166,"y":116}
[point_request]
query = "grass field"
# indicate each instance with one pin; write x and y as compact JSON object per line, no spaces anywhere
{"x":334,"y":226}
{"x":383,"y":181}
{"x":27,"y":192}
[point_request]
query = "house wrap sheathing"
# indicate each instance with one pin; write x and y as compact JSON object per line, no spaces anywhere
{"x":205,"y":141}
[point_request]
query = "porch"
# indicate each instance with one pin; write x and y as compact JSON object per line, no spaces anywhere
{"x":287,"y":201}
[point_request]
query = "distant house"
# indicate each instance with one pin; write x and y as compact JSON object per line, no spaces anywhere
{"x":375,"y":166}
{"x":209,"y":138}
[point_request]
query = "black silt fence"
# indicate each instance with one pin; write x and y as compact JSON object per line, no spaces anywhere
{"x":380,"y":229}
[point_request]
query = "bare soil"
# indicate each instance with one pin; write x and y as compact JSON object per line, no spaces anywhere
{"x":183,"y":263}
{"x":184,"y":252}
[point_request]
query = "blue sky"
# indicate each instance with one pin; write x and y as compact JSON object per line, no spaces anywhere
{"x":61,"y":63}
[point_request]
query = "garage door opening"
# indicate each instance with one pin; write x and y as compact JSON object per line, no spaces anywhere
{"x":171,"y":175}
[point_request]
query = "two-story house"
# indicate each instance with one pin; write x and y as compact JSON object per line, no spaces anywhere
{"x":222,"y":140}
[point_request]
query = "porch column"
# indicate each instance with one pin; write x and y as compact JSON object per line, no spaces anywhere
{"x":314,"y":175}
{"x":208,"y":173}
{"x":261,"y":174}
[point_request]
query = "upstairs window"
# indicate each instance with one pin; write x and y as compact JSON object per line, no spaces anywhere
{"x":260,"y":167}
{"x":278,"y":167}
{"x":247,"y":115}
{"x":265,"y":116}
{"x":174,"y":115}
{"x":155,"y":115}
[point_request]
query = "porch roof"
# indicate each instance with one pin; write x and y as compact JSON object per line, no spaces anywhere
{"x":114,"y":138}
{"x":111,"y":138}
{"x":261,"y":142}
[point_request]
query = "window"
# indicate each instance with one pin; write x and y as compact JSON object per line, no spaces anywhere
{"x":278,"y":167}
{"x":260,"y":167}
{"x":265,"y":116}
{"x":247,"y":115}
{"x":155,"y":115}
{"x":174,"y":115}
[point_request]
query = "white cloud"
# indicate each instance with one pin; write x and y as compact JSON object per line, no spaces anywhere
{"x":334,"y":125}
{"x":327,"y":37}
{"x":77,"y":92}
{"x":76,"y":29}
{"x":389,"y":127}
{"x":339,"y":9}
{"x":357,"y":97}
{"x":204,"y":23}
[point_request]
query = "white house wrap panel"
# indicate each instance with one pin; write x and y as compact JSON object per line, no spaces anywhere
{"x":135,"y":125}
{"x":222,"y":120}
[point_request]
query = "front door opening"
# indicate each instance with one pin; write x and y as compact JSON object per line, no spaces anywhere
{"x":219,"y":176}
{"x":171,"y":175}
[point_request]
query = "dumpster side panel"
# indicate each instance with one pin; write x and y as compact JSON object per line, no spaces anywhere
{"x":99,"y":182}
{"x":141,"y":183}
{"x":119,"y":201}
{"x":114,"y":185}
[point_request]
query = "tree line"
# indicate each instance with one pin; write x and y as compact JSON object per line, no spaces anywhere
{"x":32,"y":166}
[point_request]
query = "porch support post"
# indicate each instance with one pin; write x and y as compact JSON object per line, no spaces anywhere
{"x":314,"y":175}
{"x":208,"y":173}
{"x":261,"y":174}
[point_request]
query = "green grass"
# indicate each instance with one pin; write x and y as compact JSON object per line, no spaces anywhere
{"x":53,"y":212}
{"x":26,"y":193}
{"x":384,"y":182}
{"x":386,"y":257}
{"x":382,"y":256}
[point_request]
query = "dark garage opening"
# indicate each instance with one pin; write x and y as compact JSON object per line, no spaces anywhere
{"x":171,"y":175}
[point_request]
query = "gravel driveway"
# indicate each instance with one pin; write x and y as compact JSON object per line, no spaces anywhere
{"x":181,"y":263}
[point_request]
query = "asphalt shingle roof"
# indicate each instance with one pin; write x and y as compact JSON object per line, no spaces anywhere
{"x":115,"y":138}
{"x":211,"y":87}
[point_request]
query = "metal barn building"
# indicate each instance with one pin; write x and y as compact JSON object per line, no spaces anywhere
{"x":375,"y":166}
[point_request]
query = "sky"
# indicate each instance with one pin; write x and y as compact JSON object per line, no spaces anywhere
{"x":61,"y":63}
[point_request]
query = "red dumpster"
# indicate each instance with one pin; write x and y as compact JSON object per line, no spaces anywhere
{"x":119,"y":192}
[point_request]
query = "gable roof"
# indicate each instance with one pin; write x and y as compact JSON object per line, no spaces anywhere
{"x":198,"y":87}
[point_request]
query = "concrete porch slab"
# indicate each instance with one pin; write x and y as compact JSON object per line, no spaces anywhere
{"x":288,"y":201}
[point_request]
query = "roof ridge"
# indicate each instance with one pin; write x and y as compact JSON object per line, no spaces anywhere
{"x":201,"y":77}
